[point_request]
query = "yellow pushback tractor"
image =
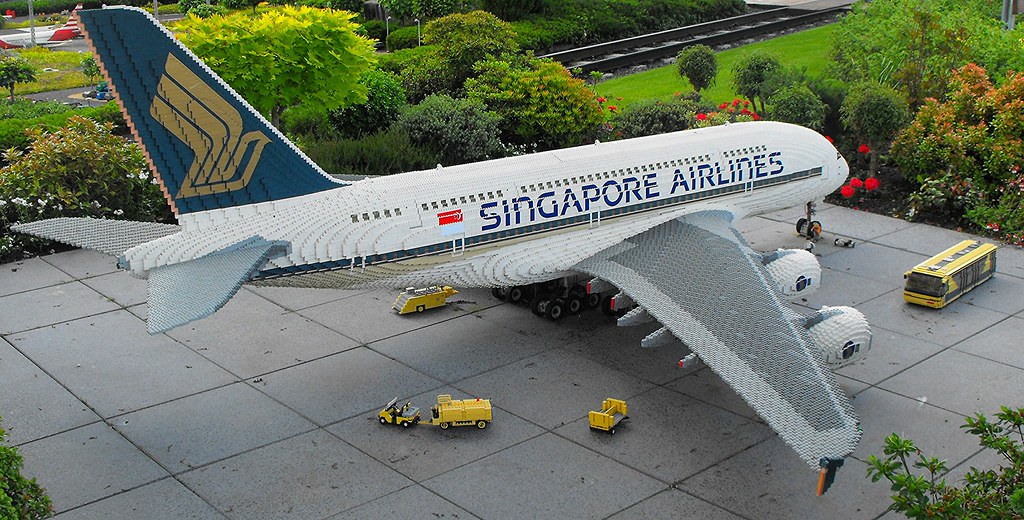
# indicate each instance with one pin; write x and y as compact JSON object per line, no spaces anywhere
{"x":948,"y":275}
{"x":419,"y":300}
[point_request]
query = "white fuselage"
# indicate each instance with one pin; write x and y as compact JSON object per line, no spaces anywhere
{"x":517,"y":220}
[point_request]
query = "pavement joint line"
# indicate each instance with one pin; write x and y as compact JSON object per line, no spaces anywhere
{"x":253,"y":289}
{"x":69,"y":320}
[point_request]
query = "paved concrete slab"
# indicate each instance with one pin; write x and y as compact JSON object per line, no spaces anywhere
{"x":87,"y":464}
{"x":314,"y":475}
{"x":268,"y":408}
{"x":545,"y":477}
{"x":33,"y":404}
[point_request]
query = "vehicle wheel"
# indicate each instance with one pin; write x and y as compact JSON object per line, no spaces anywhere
{"x":556,"y":310}
{"x":383,"y":420}
{"x":606,"y":306}
{"x":481,"y":424}
{"x":420,"y":308}
{"x":801,"y":226}
{"x":515,"y":294}
{"x":815,"y":230}
{"x":444,"y":425}
{"x":406,"y":424}
{"x":574,"y":305}
{"x":612,"y":431}
{"x":497,"y":293}
{"x":540,"y":307}
{"x":592,"y":301}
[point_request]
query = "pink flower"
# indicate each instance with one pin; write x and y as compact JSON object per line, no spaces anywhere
{"x":856,"y":183}
{"x":702,"y":117}
{"x":846,"y":191}
{"x":863,"y":149}
{"x":871,"y":183}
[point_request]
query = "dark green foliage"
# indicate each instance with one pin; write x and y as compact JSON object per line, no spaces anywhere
{"x":353,"y":6}
{"x":457,"y":130}
{"x":429,"y":74}
{"x":20,"y":498}
{"x":14,"y":70}
{"x":307,"y":120}
{"x":12,"y":131}
{"x":90,"y":68}
{"x":184,"y":6}
{"x":657,"y":117}
{"x":426,"y":9}
{"x":697,"y":64}
{"x":400,"y":10}
{"x":402,"y":38}
{"x":379,"y":154}
{"x":206,"y":11}
{"x":922,"y":492}
{"x":384,"y":98}
{"x":832,"y":92}
{"x":754,"y":75}
{"x":27,"y":109}
{"x":375,"y":29}
{"x":51,"y":6}
{"x":874,"y":113}
{"x":510,"y":10}
{"x":464,"y":39}
{"x":798,"y":105}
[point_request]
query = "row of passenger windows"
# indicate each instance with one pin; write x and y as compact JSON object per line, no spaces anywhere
{"x":745,"y":151}
{"x":465,"y":199}
{"x":377,"y":215}
{"x":613,"y":173}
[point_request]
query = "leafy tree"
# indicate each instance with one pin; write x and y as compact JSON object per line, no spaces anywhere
{"x":461,"y":40}
{"x":699,"y":65}
{"x":81,"y":170}
{"x":433,"y":8}
{"x":459,"y":130}
{"x":20,"y":498}
{"x":753,"y":74}
{"x":541,"y":104}
{"x":384,"y":98}
{"x":798,"y":105}
{"x":874,"y":113}
{"x":90,"y":68}
{"x":400,"y":10}
{"x":913,"y":46}
{"x":285,"y":56}
{"x":15,"y":70}
{"x":984,"y":495}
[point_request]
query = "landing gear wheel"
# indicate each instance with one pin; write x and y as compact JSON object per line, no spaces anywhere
{"x":606,"y":306}
{"x":592,"y":301}
{"x":815,"y":230}
{"x":801,"y":227}
{"x":515,"y":294}
{"x":574,"y":305}
{"x":540,"y":307}
{"x":383,"y":420}
{"x":481,"y":424}
{"x":498,"y":293}
{"x":444,"y":425}
{"x":556,"y":310}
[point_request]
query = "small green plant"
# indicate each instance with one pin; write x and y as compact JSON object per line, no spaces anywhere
{"x":753,"y":75}
{"x":384,"y":98}
{"x":875,"y":113}
{"x":697,"y":64}
{"x":90,"y":68}
{"x":798,"y":105}
{"x":15,"y":70}
{"x":922,"y":492}
{"x":20,"y":498}
{"x":658,"y":117}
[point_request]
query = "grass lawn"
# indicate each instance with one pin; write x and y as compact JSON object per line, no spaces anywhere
{"x":802,"y":49}
{"x":68,"y":73}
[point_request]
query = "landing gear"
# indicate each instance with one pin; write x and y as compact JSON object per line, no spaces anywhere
{"x":809,"y":228}
{"x":552,"y":299}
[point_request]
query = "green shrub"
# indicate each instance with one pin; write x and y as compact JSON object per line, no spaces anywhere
{"x":697,"y":64}
{"x":206,"y":10}
{"x":798,"y":105}
{"x":400,"y":10}
{"x":509,"y":10}
{"x":403,"y":38}
{"x":81,"y":170}
{"x":658,"y":117}
{"x":379,"y":154}
{"x":832,"y":93}
{"x":874,"y":113}
{"x":375,"y":29}
{"x":50,"y":6}
{"x":424,"y":9}
{"x":429,"y":74}
{"x":464,"y":39}
{"x":753,"y":74}
{"x":353,"y":6}
{"x":21,"y":498}
{"x":13,"y":131}
{"x":985,"y":494}
{"x":457,"y":130}
{"x":307,"y":120}
{"x":27,"y":109}
{"x":384,"y":98}
{"x":186,"y":5}
{"x":545,"y":33}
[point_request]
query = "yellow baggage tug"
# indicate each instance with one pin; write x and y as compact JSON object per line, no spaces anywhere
{"x":419,"y":300}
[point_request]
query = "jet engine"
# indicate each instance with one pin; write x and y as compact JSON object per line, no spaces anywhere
{"x":840,"y":335}
{"x":795,"y":272}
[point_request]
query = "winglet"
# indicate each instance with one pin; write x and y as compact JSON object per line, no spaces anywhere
{"x":827,"y":473}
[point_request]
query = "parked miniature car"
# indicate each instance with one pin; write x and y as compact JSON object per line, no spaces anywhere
{"x":405,"y":416}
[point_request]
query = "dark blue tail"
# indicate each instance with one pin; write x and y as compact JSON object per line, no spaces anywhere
{"x":208,"y":147}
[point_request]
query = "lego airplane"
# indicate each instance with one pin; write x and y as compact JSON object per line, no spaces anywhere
{"x":649,"y":220}
{"x":44,"y":37}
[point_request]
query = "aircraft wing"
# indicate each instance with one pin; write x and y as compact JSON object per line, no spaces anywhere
{"x":700,"y":279}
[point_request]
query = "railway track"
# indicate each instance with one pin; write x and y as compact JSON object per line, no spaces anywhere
{"x":606,"y":57}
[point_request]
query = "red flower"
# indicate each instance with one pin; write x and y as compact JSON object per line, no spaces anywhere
{"x":746,"y":112}
{"x":676,"y":94}
{"x":746,"y":104}
{"x":756,"y":117}
{"x":846,"y":191}
{"x":863,"y":149}
{"x":871,"y":183}
{"x":736,"y":102}
{"x":600,"y":99}
{"x":856,"y":183}
{"x":829,"y":139}
{"x":994,"y":226}
{"x":612,"y":108}
{"x":617,"y":98}
{"x":702,"y":116}
{"x":724,"y":105}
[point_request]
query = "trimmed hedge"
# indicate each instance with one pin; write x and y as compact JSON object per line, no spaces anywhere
{"x":12,"y":131}
{"x":404,"y":38}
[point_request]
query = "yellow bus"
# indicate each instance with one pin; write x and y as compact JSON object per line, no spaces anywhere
{"x":949,"y":274}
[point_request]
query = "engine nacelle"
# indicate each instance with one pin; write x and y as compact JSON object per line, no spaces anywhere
{"x":841,"y":335}
{"x":795,"y":272}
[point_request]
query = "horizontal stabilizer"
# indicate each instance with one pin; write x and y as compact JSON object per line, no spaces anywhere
{"x":112,"y":237}
{"x":180,"y":293}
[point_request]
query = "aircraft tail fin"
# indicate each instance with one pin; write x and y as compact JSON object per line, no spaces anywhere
{"x":208,"y":147}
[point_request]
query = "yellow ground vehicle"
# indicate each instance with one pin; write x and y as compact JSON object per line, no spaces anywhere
{"x":466,"y":412}
{"x":613,"y":411}
{"x":949,"y":274}
{"x":405,"y":416}
{"x":419,"y":300}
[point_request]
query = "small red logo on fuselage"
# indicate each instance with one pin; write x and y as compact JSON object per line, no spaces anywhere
{"x":449,"y":217}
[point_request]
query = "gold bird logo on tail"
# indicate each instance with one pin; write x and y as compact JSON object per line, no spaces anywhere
{"x":195,"y":113}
